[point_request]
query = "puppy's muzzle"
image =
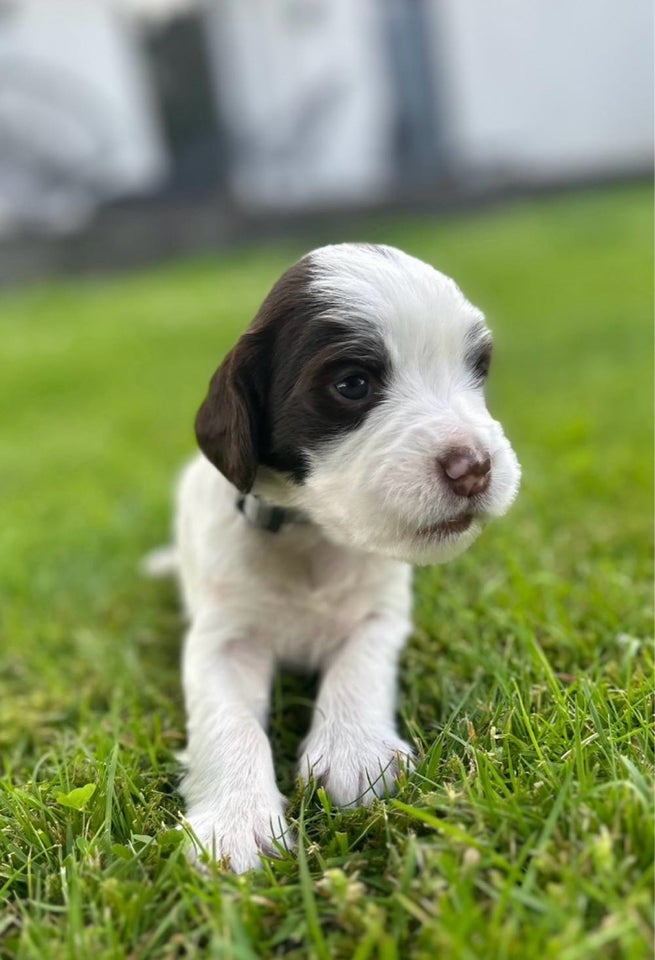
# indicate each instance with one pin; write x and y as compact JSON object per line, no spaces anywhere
{"x":466,"y":472}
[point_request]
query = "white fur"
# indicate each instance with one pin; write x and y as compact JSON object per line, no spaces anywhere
{"x":333,"y":594}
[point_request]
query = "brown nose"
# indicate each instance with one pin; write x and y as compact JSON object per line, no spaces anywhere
{"x":465,"y":471}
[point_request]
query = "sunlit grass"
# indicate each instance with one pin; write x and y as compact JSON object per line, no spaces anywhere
{"x":526,"y":830}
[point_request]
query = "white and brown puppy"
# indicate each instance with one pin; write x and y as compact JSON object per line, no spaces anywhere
{"x":344,"y":438}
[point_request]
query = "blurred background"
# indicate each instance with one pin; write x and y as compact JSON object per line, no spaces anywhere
{"x":161,"y":164}
{"x":136,"y":130}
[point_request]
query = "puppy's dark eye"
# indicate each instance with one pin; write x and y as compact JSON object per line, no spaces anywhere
{"x":355,"y":387}
{"x":481,"y":364}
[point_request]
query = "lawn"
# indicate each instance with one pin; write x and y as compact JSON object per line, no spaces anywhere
{"x":526,"y":830}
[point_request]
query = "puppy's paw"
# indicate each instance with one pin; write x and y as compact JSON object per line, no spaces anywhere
{"x":354,"y":766}
{"x":237,"y":834}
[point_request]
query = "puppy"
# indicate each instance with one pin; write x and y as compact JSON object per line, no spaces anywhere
{"x":344,"y":438}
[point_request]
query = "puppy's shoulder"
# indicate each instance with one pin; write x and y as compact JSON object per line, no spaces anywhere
{"x":203,"y":493}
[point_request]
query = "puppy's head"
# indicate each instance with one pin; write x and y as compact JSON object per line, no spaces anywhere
{"x":357,"y":396}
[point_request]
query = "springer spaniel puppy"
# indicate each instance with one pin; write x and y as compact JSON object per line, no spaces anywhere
{"x":344,"y":438}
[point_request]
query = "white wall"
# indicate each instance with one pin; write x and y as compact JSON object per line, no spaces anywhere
{"x":303,"y":89}
{"x":73,"y":92}
{"x":528,"y":90}
{"x":543,"y":88}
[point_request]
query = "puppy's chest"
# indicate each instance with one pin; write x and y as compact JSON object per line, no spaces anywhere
{"x":307,"y":604}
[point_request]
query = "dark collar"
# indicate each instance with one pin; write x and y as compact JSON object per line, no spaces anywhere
{"x":266,"y":516}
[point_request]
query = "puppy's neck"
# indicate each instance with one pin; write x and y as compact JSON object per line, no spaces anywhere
{"x":268,"y":516}
{"x":270,"y":504}
{"x":312,"y":544}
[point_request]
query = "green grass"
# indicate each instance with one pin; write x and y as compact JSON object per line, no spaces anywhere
{"x":526,"y":830}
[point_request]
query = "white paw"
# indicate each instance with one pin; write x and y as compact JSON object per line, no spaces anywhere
{"x":238,"y":831}
{"x":355,"y":766}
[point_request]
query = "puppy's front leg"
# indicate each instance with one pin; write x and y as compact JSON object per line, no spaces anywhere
{"x":353,"y":746}
{"x":233,"y":804}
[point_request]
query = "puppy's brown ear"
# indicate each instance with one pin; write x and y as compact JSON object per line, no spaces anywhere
{"x":229,"y":422}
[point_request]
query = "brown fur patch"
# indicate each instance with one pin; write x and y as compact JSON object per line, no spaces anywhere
{"x":271,"y":400}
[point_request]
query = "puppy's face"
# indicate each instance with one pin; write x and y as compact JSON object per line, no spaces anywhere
{"x":357,"y":396}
